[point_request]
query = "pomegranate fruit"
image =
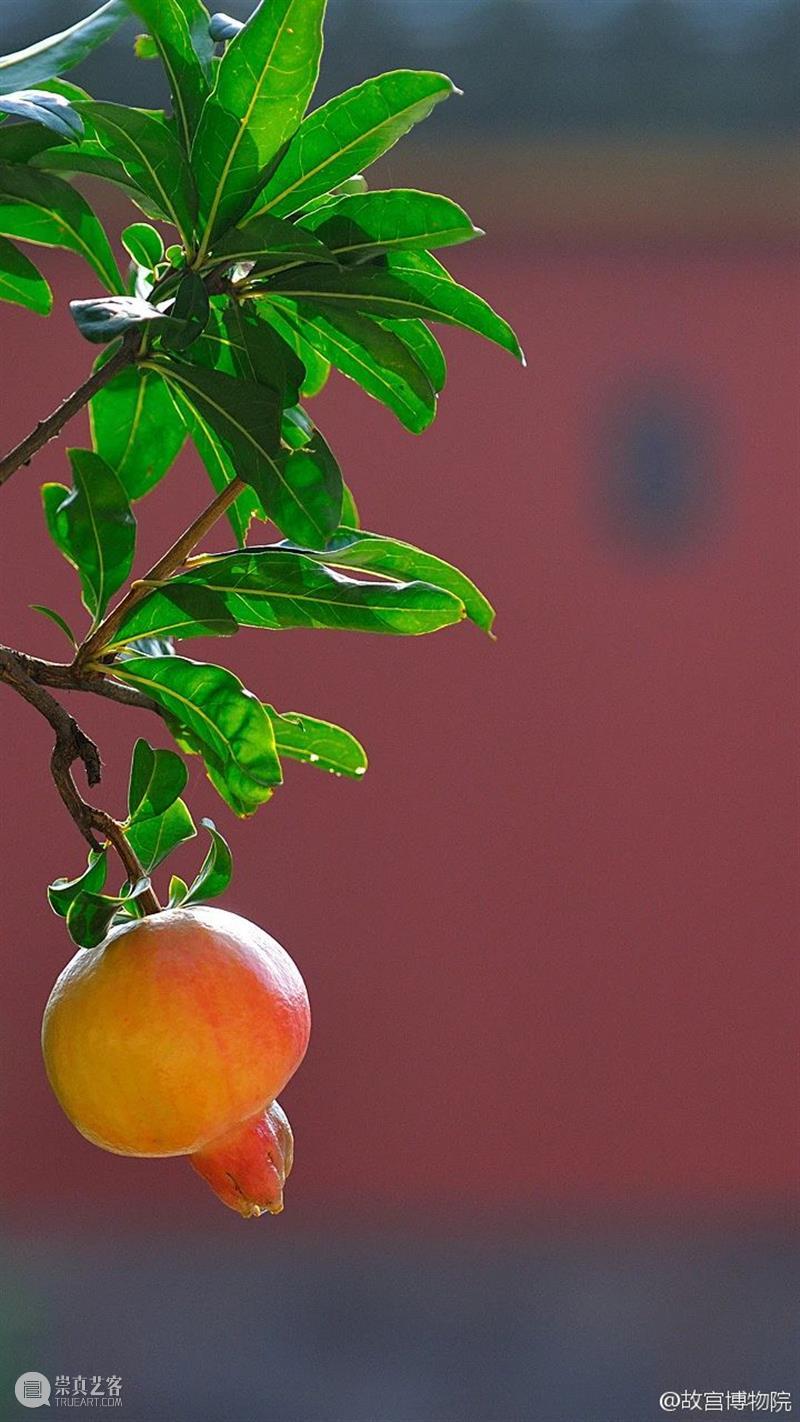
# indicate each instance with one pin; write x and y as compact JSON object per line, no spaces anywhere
{"x":174,"y":1037}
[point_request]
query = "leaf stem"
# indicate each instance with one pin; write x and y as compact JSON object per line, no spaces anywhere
{"x":48,"y":428}
{"x":172,"y":560}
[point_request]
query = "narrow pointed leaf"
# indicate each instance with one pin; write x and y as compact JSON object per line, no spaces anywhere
{"x":157,"y":778}
{"x":136,"y":428}
{"x":93,"y":526}
{"x":348,"y":133}
{"x":149,"y":153}
{"x":403,"y":284}
{"x":190,"y":309}
{"x":271,"y":244}
{"x":373,"y":553}
{"x":59,"y":621}
{"x":21,"y":282}
{"x":218,"y":464}
{"x":359,"y":227}
{"x":264,"y":82}
{"x":317,"y":368}
{"x":423,"y":346}
{"x":275,"y":587}
{"x":216,"y":872}
{"x":38,"y":208}
{"x":178,"y":889}
{"x":375,"y":358}
{"x":319,"y":743}
{"x":53,"y":111}
{"x":180,"y":611}
{"x":62,"y":892}
{"x":169,"y":26}
{"x":212,"y":714}
{"x":54,"y":55}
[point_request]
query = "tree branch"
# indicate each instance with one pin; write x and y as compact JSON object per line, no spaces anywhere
{"x":160,"y":572}
{"x":49,"y":428}
{"x":71,"y":745}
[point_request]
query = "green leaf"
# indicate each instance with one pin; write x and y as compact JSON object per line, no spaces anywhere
{"x":401,"y":284}
{"x":38,"y":208}
{"x":374,"y":553}
{"x":311,"y":496}
{"x":376,"y":359}
{"x":238,"y":341}
{"x":147,"y":150}
{"x":191,"y":309}
{"x":63,"y":892}
{"x":143,"y":244}
{"x":319,"y":743}
{"x":271,"y":243}
{"x":245,"y":418}
{"x":178,"y":611}
{"x":136,"y":428}
{"x":52,"y":110}
{"x":91,"y":915}
{"x":277,"y":587}
{"x":423,"y":346}
{"x":169,"y":26}
{"x":23,"y":142}
{"x":153,"y":838}
{"x":358,"y":228}
{"x":145,"y":47}
{"x":59,"y":52}
{"x":348,"y":133}
{"x":212,"y":714}
{"x":178,"y":889}
{"x":317,"y":369}
{"x":59,"y":621}
{"x":93,"y":527}
{"x":104,"y":318}
{"x":217,"y":462}
{"x":264,"y":82}
{"x":21,"y":282}
{"x":350,"y":515}
{"x":216,"y":871}
{"x":157,"y":778}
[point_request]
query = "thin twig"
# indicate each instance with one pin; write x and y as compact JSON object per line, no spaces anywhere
{"x":49,"y":428}
{"x":161,"y":571}
{"x":71,"y":745}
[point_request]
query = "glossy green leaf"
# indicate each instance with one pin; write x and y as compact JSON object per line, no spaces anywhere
{"x":319,"y":743}
{"x":310,"y":497}
{"x":317,"y":368}
{"x":28,"y":67}
{"x":157,"y":778}
{"x":360,"y":227}
{"x":25,"y":141}
{"x":178,"y":889}
{"x":423,"y":346}
{"x":212,"y":714}
{"x":245,"y":418}
{"x":373,"y":553}
{"x":178,"y":611}
{"x":169,"y":27}
{"x":136,"y":428}
{"x":275,"y":587}
{"x":238,"y":341}
{"x":21,"y":282}
{"x":348,"y":133}
{"x":59,"y":621}
{"x":91,"y":915}
{"x":52,"y":110}
{"x":217,"y":462}
{"x":350,"y":515}
{"x":63,"y":892}
{"x":93,"y":527}
{"x":264,"y":82}
{"x":216,"y":871}
{"x":102,"y":319}
{"x":375,"y":358}
{"x":145,"y":147}
{"x":199,"y":22}
{"x":154,"y":837}
{"x":143,"y":244}
{"x":271,"y":244}
{"x":401,"y":284}
{"x":38,"y":208}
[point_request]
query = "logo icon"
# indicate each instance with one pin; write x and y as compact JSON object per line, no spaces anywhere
{"x":32,"y":1390}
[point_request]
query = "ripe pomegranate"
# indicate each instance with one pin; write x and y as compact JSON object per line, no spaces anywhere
{"x":174,"y":1037}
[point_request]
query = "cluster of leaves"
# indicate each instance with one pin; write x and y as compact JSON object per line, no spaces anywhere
{"x":282,"y":265}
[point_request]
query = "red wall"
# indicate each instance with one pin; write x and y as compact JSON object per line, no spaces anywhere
{"x":547,"y":939}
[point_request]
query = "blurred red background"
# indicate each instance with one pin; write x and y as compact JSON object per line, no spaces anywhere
{"x":548,"y":939}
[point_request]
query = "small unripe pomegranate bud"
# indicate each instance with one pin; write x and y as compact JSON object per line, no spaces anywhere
{"x":248,"y":1167}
